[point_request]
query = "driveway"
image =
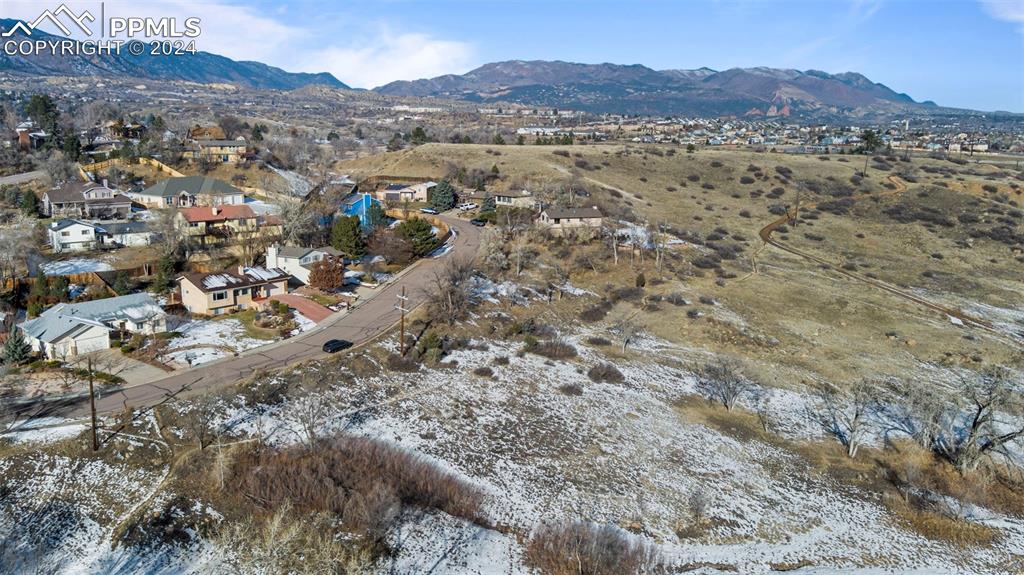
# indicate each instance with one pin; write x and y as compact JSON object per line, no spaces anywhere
{"x":21,"y":178}
{"x":132,"y":371}
{"x":366,"y":320}
{"x":307,"y":307}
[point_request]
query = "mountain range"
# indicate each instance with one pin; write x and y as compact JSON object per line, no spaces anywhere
{"x":201,"y":67}
{"x":600,"y":88}
{"x":636,"y":89}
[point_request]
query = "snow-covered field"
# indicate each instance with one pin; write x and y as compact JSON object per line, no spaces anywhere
{"x":209,"y":340}
{"x":75,"y":266}
{"x":548,"y":443}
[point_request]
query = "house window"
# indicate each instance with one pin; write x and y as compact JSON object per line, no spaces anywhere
{"x":219,"y":296}
{"x":558,"y":220}
{"x":242,"y":291}
{"x":85,"y":232}
{"x":65,"y":234}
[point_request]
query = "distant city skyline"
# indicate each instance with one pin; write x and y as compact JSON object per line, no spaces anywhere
{"x":958,"y":53}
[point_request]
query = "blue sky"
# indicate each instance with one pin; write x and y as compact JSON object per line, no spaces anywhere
{"x":965,"y":53}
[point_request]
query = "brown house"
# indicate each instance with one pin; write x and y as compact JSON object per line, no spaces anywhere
{"x":220,"y":224}
{"x":85,"y":200}
{"x":218,"y":293}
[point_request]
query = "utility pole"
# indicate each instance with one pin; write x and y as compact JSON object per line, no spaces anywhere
{"x":401,"y":307}
{"x":92,"y":406}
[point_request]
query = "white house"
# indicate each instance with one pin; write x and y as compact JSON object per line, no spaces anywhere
{"x":69,"y":329}
{"x":297,"y":262}
{"x":562,"y":220}
{"x":73,"y":236}
{"x":129,"y":234}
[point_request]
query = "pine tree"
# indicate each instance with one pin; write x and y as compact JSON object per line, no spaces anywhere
{"x":520,"y":140}
{"x":327,"y":274}
{"x":488,"y":206}
{"x":164,"y":274}
{"x":375,"y":217}
{"x":123,"y":285}
{"x":419,"y":136}
{"x":347,"y":237}
{"x":29,"y":204}
{"x":498,"y":140}
{"x":420,"y":234}
{"x":443,"y":197}
{"x":395,"y":143}
{"x":16,"y":349}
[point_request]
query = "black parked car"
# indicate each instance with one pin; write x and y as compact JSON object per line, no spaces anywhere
{"x":478,"y":222}
{"x":334,"y":345}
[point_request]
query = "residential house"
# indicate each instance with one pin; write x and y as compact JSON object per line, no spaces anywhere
{"x":218,"y":224}
{"x":127,"y":234}
{"x":298,"y":262}
{"x":506,"y":198}
{"x":399,"y":193}
{"x":30,"y":135}
{"x":221,"y":151}
{"x":358,"y":205}
{"x":70,"y":329}
{"x":187,"y":191}
{"x":85,"y":200}
{"x":73,"y":236}
{"x":225,"y":292}
{"x":562,"y":220}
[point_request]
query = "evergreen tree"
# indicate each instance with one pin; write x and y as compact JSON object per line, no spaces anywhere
{"x":498,"y":140}
{"x":40,"y":287}
{"x":29,"y":204}
{"x":16,"y":349}
{"x":43,"y":111}
{"x":347,"y":237}
{"x":395,"y":144}
{"x":420,"y":235}
{"x":164,"y":274}
{"x":375,"y":217}
{"x":123,"y":284}
{"x":419,"y":136}
{"x":467,"y":140}
{"x":495,"y":170}
{"x":520,"y":140}
{"x":59,"y":288}
{"x":72,"y":148}
{"x":359,"y":133}
{"x":443,"y":197}
{"x":488,"y":206}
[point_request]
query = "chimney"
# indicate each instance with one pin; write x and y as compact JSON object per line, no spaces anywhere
{"x":241,"y":270}
{"x":215,"y":210}
{"x":105,"y":183}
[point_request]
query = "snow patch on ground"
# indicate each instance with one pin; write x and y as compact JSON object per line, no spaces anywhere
{"x":220,"y":336}
{"x":44,"y":430}
{"x":75,"y":266}
{"x":299,"y":185}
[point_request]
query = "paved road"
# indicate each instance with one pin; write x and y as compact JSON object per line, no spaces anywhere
{"x":364,"y":322}
{"x":21,"y":178}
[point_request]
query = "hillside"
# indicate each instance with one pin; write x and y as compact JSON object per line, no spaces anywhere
{"x":637,"y":89}
{"x":201,"y":67}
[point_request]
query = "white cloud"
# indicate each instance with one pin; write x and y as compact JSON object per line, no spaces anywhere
{"x":1006,"y":10}
{"x":386,"y":57}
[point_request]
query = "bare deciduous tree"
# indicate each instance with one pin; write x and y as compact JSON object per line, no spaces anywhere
{"x":846,"y":415}
{"x":987,"y":422}
{"x":450,"y":294}
{"x":722,"y":381}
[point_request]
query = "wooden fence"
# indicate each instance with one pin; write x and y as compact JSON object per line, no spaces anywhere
{"x":107,"y":164}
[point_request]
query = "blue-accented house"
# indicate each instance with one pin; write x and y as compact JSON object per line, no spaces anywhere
{"x":358,"y":204}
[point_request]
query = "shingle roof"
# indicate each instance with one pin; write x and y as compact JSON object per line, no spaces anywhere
{"x":223,"y":213}
{"x":63,"y":318}
{"x":571,"y":213}
{"x":194,"y":185}
{"x":117,"y":228}
{"x":72,"y":192}
{"x":216,"y":281}
{"x":221,"y":142}
{"x":64,"y":224}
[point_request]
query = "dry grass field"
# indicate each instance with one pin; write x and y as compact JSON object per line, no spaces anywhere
{"x":795,"y":318}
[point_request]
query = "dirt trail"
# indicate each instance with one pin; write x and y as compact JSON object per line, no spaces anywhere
{"x":766,"y":236}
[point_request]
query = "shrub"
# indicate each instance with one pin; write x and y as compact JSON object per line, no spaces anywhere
{"x":402,"y":364}
{"x":363,"y":482}
{"x":598,"y":340}
{"x":586,"y":548}
{"x":501,"y":360}
{"x":483,"y":371}
{"x":571,"y":389}
{"x":605,"y":373}
{"x":553,"y":349}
